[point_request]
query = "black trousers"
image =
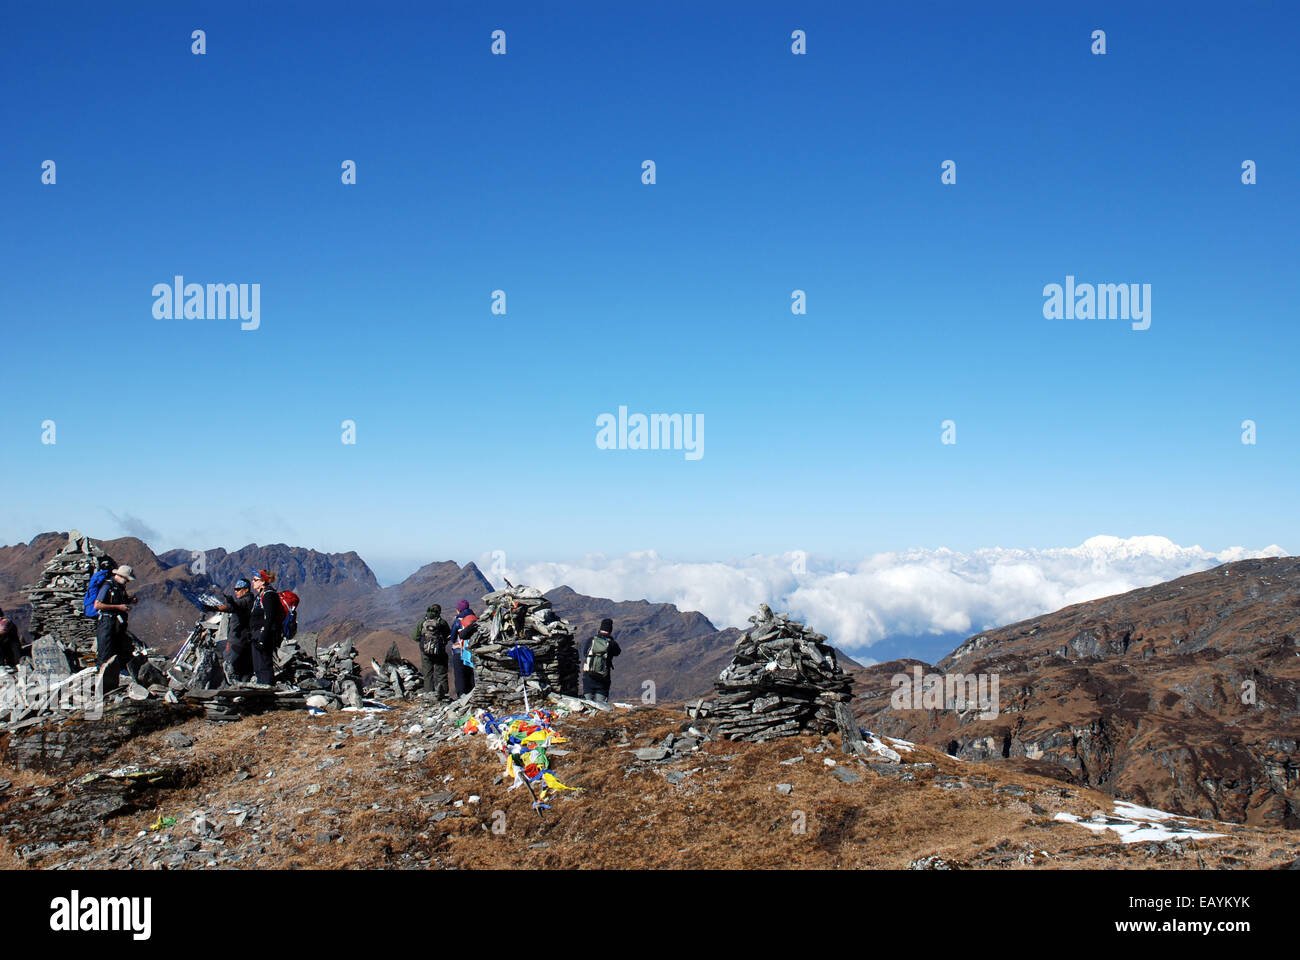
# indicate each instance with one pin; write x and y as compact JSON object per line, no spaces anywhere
{"x":239,"y":657}
{"x":11,"y":649}
{"x":595,"y":687}
{"x":112,"y":649}
{"x":435,"y":674}
{"x":263,"y":663}
{"x":464,"y":674}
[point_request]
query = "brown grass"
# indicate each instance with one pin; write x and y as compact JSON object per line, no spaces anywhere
{"x":725,"y":814}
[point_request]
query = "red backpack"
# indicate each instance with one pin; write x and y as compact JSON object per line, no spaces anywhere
{"x":467,"y":628}
{"x":289,"y":600}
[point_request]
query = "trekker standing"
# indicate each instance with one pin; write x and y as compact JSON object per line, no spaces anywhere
{"x":265,"y":623}
{"x":462,"y":663}
{"x":11,"y":646}
{"x":113,"y":648}
{"x":239,"y":648}
{"x":432,"y":634}
{"x":597,"y":656}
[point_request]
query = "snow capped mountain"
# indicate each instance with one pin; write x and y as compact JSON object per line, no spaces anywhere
{"x":909,"y":593}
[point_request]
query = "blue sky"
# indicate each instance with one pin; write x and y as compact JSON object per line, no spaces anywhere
{"x":775,"y":172}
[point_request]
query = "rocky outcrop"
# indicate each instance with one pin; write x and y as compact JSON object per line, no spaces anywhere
{"x":65,"y":744}
{"x":1183,"y":696}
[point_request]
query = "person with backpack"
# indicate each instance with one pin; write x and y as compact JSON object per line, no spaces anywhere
{"x":113,"y":646}
{"x":597,"y":655}
{"x":11,"y":645}
{"x":462,"y":663}
{"x":432,"y":634}
{"x":265,"y":626}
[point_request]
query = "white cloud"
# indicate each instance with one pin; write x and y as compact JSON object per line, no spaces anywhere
{"x":911,"y":593}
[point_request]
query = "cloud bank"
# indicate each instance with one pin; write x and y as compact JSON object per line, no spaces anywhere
{"x":914,"y":593}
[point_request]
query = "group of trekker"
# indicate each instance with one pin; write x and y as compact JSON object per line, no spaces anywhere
{"x":260,"y":616}
{"x":443,"y":645}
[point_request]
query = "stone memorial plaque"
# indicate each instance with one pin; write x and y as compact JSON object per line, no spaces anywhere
{"x":49,"y":661}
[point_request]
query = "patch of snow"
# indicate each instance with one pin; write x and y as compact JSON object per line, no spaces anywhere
{"x":1138,"y":824}
{"x":876,"y":745}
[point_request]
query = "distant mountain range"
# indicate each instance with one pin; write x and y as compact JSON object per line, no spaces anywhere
{"x":1183,"y":696}
{"x":679,"y":652}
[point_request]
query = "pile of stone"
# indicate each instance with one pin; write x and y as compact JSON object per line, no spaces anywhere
{"x":28,"y":696}
{"x":199,"y":663}
{"x":332,"y":671}
{"x":783,"y":680}
{"x":396,"y":678}
{"x":51,"y":684}
{"x":306,"y":677}
{"x":56,"y":599}
{"x":521,"y":616}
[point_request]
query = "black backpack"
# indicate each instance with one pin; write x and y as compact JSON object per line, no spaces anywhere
{"x":434,"y":633}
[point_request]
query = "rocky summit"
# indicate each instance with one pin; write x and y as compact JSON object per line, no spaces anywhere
{"x":410,"y":788}
{"x":1154,"y":728}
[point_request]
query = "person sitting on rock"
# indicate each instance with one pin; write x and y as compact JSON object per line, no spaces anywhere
{"x":597,"y":655}
{"x":11,"y":646}
{"x":113,"y":643}
{"x":431,"y":635}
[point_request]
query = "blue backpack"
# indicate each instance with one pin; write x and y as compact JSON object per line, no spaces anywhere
{"x":92,"y":592}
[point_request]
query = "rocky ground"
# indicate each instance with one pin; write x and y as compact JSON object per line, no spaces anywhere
{"x":401,"y":789}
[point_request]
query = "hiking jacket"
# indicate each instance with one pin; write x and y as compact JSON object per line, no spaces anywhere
{"x":455,"y":628}
{"x":11,"y":647}
{"x":614,"y":651}
{"x":266,"y":620}
{"x":242,"y":611}
{"x":110,"y":591}
{"x":441,"y":631}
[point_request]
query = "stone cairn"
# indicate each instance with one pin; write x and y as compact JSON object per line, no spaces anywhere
{"x":783,"y":680}
{"x":57,"y":597}
{"x":521,"y":615}
{"x":396,"y":678}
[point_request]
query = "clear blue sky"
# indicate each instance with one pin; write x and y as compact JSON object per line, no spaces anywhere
{"x":775,"y":172}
